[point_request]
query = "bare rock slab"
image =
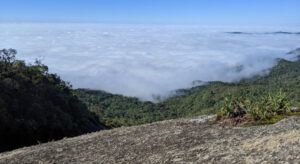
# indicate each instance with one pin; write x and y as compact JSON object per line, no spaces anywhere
{"x":175,"y":141}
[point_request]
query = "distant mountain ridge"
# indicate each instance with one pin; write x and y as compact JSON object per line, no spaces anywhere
{"x":261,"y":33}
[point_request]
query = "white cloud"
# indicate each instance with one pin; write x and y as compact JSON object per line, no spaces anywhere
{"x":144,"y":60}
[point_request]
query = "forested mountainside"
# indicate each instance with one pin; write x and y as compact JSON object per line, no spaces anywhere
{"x":36,"y":106}
{"x":117,"y":110}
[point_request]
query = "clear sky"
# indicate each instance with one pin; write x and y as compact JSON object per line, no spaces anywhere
{"x":198,"y":12}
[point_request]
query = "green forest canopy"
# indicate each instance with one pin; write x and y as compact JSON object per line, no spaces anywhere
{"x":37,"y":106}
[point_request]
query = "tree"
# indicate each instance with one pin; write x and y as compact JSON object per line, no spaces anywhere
{"x":36,"y":105}
{"x":8,"y":55}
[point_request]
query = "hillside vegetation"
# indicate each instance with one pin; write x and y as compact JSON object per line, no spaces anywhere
{"x":243,"y":111}
{"x":117,"y":110}
{"x":36,"y":106}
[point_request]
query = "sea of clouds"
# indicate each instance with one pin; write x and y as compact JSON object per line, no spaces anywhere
{"x":146,"y":60}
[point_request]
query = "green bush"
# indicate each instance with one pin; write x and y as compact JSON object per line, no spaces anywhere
{"x":263,"y":109}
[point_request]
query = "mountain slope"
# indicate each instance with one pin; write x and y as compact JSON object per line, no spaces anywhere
{"x":117,"y":110}
{"x":208,"y":99}
{"x":36,"y":106}
{"x":173,"y":141}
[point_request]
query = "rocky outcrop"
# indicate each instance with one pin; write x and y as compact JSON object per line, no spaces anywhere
{"x":173,"y":141}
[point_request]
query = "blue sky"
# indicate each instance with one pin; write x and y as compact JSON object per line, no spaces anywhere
{"x":198,"y":12}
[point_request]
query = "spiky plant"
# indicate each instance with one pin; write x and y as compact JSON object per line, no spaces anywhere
{"x":266,"y":108}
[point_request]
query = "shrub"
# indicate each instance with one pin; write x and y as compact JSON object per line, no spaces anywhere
{"x":265,"y":109}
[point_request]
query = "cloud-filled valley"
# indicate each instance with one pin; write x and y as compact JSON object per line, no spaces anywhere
{"x":142,"y":60}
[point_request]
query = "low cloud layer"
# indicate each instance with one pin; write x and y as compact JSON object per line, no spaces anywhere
{"x":144,"y":60}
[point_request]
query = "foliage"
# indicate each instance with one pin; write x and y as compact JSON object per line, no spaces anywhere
{"x":117,"y":110}
{"x":37,"y":106}
{"x":264,"y":109}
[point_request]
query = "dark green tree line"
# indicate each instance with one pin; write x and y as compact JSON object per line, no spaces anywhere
{"x":37,"y":106}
